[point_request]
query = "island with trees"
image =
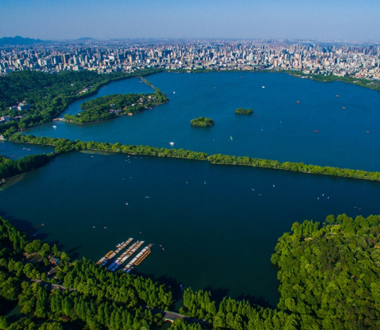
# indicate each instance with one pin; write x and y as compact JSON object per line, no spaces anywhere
{"x":111,"y":106}
{"x":242,"y":111}
{"x":202,"y":122}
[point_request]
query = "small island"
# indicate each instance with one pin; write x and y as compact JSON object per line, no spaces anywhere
{"x":202,"y":122}
{"x":242,"y":111}
{"x":111,"y":106}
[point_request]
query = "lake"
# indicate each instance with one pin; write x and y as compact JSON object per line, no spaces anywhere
{"x":218,"y":225}
{"x":283,"y":130}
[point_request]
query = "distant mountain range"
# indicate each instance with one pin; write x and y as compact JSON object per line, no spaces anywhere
{"x":17,"y":40}
{"x":85,"y":39}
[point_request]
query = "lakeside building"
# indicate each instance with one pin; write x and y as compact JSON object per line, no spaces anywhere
{"x":361,"y":61}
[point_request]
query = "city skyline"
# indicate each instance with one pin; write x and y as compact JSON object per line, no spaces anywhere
{"x":51,"y":20}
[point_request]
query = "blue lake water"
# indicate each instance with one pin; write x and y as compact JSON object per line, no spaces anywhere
{"x":218,"y":225}
{"x":15,"y":151}
{"x":216,"y":230}
{"x":283,"y":130}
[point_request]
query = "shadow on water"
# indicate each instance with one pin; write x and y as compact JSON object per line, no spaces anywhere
{"x":71,"y":252}
{"x":258,"y":301}
{"x":32,"y":233}
{"x":23,"y":225}
{"x":60,"y":246}
{"x":170,"y":282}
{"x":217,"y":294}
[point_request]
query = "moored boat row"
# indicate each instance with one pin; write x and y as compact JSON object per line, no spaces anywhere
{"x":119,"y":261}
{"x":109,"y":255}
{"x":120,"y":247}
{"x":102,"y":259}
{"x":125,"y":255}
{"x":139,"y":257}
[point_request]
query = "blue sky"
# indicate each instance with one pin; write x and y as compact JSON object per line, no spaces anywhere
{"x":256,"y":19}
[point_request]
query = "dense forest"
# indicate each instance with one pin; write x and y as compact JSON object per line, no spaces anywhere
{"x":87,"y":296}
{"x":330,"y":274}
{"x":329,"y":279}
{"x":65,"y":145}
{"x":111,"y":106}
{"x":48,"y":94}
{"x":242,"y":111}
{"x":202,"y":122}
{"x":9,"y":167}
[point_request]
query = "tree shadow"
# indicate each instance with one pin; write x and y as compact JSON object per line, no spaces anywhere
{"x":23,"y":225}
{"x":217,"y":294}
{"x":256,"y":301}
{"x":59,"y":246}
{"x":71,"y":252}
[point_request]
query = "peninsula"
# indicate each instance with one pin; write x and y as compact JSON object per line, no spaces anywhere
{"x":111,"y":106}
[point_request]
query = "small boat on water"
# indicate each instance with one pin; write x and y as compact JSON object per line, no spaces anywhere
{"x":262,"y":86}
{"x":316,"y":131}
{"x":171,"y":143}
{"x":54,"y":126}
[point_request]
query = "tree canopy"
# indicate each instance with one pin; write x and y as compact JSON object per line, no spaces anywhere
{"x":111,"y":106}
{"x":242,"y":111}
{"x":202,"y":122}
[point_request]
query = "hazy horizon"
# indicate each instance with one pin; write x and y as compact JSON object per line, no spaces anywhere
{"x":338,"y":20}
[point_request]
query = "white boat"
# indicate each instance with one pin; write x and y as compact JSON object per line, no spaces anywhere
{"x":54,"y":126}
{"x":171,"y":143}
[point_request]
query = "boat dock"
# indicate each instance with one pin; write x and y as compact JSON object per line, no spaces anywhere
{"x":105,"y":258}
{"x":109,"y":255}
{"x":120,"y":247}
{"x":119,"y":261}
{"x":125,"y":255}
{"x":139,"y":257}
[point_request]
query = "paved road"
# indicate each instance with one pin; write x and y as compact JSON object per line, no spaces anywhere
{"x":172,"y":316}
